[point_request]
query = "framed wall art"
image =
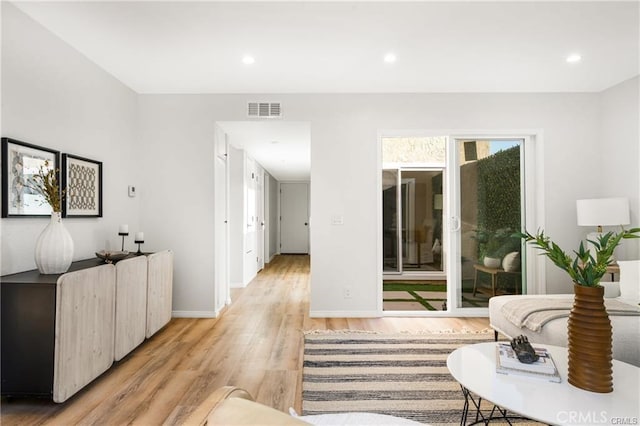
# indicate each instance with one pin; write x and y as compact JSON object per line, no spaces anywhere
{"x":82,"y":182}
{"x":21,"y":161}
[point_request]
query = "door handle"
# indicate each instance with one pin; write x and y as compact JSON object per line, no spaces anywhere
{"x":305,"y":224}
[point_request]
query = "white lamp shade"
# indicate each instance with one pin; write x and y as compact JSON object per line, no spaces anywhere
{"x":603,"y":212}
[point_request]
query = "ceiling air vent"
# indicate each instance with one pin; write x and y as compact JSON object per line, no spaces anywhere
{"x":264,"y":109}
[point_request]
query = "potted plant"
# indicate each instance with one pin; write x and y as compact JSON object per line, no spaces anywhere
{"x":589,"y":328}
{"x":54,"y":246}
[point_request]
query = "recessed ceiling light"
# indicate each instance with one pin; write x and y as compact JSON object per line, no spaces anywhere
{"x":248,"y":59}
{"x":390,"y":58}
{"x":574,"y":58}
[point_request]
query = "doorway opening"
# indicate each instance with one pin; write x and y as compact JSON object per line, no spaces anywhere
{"x":253,"y":159}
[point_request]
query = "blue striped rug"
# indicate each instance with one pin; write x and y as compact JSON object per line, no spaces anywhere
{"x":402,"y":375}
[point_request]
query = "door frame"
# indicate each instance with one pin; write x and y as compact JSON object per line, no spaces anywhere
{"x":533,"y":172}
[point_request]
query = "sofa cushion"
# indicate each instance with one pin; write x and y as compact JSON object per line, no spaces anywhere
{"x":511,"y":262}
{"x":611,"y":289}
{"x":630,"y":280}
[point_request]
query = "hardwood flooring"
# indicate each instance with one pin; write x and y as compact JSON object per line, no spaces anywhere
{"x":255,"y":344}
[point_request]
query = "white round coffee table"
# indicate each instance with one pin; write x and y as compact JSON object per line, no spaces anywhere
{"x":474,"y":367}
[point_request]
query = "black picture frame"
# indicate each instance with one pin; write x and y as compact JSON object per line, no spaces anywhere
{"x":19,"y":161}
{"x":82,"y":183}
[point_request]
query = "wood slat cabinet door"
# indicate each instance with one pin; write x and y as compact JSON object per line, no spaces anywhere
{"x":131,"y":305}
{"x":85,"y":317}
{"x":159,"y":292}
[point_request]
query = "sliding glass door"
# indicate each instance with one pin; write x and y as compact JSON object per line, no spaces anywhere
{"x":488,"y":212}
{"x":450,"y":209}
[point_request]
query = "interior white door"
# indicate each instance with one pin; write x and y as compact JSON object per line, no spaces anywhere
{"x":260,"y":221}
{"x":294,"y":218}
{"x":220,"y":219}
{"x":221,"y":230}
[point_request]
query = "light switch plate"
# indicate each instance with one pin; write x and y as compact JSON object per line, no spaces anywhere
{"x":337,"y":220}
{"x":132,"y":191}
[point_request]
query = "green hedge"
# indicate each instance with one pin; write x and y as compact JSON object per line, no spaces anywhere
{"x":499,"y":192}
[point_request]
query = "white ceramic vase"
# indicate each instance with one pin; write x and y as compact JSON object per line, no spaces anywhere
{"x":54,"y":247}
{"x":492,"y":262}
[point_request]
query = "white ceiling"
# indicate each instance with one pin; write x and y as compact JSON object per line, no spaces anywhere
{"x":338,"y":47}
{"x":281,"y":147}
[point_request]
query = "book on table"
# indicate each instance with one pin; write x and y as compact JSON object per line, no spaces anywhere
{"x":544,"y":368}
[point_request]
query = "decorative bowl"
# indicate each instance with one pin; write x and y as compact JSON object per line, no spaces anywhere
{"x":112,"y":256}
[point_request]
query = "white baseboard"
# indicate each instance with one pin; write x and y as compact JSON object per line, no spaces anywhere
{"x":272,"y":257}
{"x":344,"y":314}
{"x":194,"y":314}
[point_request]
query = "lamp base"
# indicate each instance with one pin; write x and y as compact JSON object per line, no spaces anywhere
{"x":139,"y":252}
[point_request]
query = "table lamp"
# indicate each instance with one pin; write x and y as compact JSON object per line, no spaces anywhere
{"x":601,"y":212}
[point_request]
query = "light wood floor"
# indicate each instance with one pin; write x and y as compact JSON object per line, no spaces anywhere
{"x":255,"y":344}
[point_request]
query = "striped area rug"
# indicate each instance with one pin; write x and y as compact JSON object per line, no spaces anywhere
{"x":403,"y":375}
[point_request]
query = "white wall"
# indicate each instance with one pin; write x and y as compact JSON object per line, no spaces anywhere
{"x":344,"y":131}
{"x":55,"y":97}
{"x":176,"y":195}
{"x":620,"y":152}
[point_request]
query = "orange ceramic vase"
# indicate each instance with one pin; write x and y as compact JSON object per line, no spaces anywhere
{"x":589,"y":346}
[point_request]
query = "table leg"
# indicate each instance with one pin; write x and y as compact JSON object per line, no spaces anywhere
{"x":475,"y":283}
{"x":468,"y":398}
{"x":494,"y":280}
{"x":496,"y":412}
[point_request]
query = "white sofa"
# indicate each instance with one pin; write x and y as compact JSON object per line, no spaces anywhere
{"x":626,"y":329}
{"x":233,"y":406}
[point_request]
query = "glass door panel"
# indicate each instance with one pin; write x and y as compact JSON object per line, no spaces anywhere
{"x":414,"y":276}
{"x":490,"y":199}
{"x":390,"y":222}
{"x":422,"y":220}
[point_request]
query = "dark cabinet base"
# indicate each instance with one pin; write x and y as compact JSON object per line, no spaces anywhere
{"x":28,"y":327}
{"x":28,"y":334}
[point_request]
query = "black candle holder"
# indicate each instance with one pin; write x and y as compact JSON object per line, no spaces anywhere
{"x":123,"y":234}
{"x":138,"y":242}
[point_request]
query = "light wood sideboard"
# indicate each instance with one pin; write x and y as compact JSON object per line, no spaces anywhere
{"x":131,"y":305}
{"x":61,"y":331}
{"x":83,"y":347}
{"x":159,"y":290}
